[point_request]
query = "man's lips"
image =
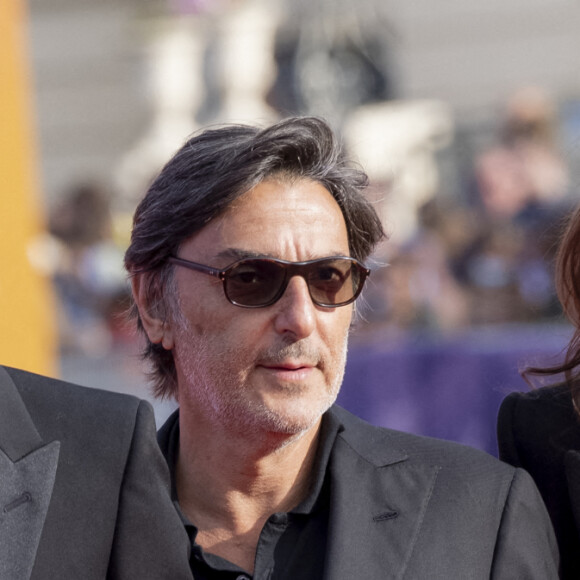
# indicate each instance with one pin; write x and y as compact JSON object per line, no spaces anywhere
{"x":287,"y":366}
{"x":289,"y":370}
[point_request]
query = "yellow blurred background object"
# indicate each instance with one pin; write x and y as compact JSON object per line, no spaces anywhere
{"x":27,"y":329}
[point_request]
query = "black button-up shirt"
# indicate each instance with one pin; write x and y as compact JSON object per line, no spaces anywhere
{"x":291,"y":545}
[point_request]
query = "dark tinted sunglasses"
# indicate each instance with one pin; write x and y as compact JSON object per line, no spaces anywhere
{"x":259,"y":282}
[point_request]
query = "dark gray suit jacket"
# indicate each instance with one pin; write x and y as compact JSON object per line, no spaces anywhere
{"x":411,"y":507}
{"x":416,"y":508}
{"x":84,"y":492}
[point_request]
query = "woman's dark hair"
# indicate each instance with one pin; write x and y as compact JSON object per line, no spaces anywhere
{"x":568,"y":290}
{"x":210,"y":171}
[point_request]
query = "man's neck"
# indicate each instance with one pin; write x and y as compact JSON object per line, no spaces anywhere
{"x":228,"y":486}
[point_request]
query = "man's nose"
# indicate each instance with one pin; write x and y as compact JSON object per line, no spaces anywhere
{"x":296,"y":313}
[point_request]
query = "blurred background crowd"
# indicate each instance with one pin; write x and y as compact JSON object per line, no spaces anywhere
{"x":466,"y":115}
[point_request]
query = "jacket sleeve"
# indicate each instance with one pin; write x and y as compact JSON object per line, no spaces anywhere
{"x":150,"y":540}
{"x":526,"y":548}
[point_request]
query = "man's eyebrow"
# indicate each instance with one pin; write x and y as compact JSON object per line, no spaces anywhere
{"x":235,"y":254}
{"x":239,"y":254}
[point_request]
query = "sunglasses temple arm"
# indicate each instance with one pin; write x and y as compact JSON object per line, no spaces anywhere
{"x":197,"y":267}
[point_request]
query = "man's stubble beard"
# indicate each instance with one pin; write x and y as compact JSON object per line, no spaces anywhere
{"x":223,"y":395}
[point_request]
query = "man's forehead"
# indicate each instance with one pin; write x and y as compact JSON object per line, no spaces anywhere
{"x":273,"y":217}
{"x":235,"y":254}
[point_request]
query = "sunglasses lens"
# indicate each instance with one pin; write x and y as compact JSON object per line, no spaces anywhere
{"x":333,"y":281}
{"x":254,"y":282}
{"x":260,"y":282}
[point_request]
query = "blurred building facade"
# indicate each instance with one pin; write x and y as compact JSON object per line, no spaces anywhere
{"x":94,"y":63}
{"x":423,"y":93}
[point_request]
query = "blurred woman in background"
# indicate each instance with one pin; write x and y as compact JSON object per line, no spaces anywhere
{"x":540,"y":430}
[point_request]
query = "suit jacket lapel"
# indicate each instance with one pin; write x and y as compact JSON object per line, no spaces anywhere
{"x":27,"y":474}
{"x":18,"y":435}
{"x":377,"y":504}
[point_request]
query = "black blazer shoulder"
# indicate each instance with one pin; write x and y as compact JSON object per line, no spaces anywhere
{"x":539,"y":430}
{"x":370,"y":440}
{"x":42,"y":395}
{"x":540,"y":424}
{"x":108,"y":511}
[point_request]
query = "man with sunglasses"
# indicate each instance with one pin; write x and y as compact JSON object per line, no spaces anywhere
{"x":246,"y":257}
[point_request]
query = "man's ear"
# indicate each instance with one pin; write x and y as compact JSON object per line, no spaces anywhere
{"x":154,"y":319}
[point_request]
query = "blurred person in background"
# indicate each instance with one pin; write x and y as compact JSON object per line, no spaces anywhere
{"x":84,"y":490}
{"x":419,"y":288}
{"x":246,"y":257}
{"x":524,"y":176}
{"x":87,"y":270}
{"x":521,"y":194}
{"x":540,"y":430}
